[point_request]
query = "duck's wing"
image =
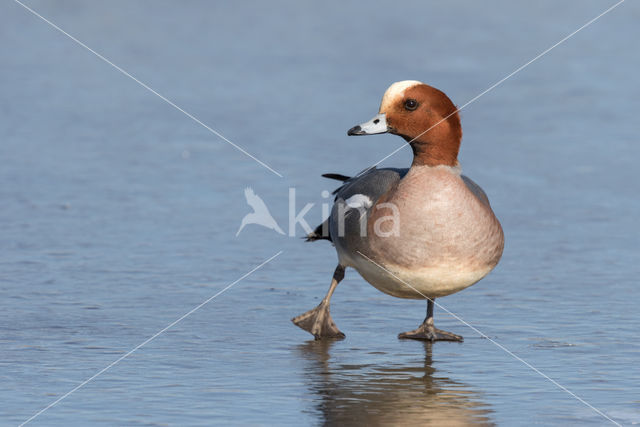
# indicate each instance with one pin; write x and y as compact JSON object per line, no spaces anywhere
{"x":371,"y":183}
{"x":365,"y":188}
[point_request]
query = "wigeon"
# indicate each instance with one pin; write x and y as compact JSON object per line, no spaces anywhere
{"x":422,"y":232}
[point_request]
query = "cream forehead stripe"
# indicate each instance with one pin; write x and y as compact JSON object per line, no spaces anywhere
{"x":396,"y":90}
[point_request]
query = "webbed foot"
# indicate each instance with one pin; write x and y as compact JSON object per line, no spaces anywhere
{"x":319,"y":323}
{"x":428,"y":332}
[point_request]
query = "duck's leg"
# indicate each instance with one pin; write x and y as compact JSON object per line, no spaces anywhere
{"x":318,"y":321}
{"x":427,"y":331}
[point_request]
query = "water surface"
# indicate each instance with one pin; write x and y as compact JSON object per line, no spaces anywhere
{"x":119,"y":213}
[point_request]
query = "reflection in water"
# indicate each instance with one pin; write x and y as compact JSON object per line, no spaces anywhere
{"x":390,"y":394}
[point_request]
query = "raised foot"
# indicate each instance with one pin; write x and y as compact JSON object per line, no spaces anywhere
{"x":318,"y":323}
{"x":430,"y":333}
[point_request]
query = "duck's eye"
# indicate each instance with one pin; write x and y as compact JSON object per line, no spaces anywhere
{"x":411,"y":104}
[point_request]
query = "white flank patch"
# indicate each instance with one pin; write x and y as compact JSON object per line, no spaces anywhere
{"x":358,"y":201}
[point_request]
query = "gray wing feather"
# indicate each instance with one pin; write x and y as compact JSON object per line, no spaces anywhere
{"x":372,"y":184}
{"x":346,"y":230}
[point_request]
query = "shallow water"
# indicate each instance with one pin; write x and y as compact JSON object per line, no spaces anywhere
{"x":119,"y":213}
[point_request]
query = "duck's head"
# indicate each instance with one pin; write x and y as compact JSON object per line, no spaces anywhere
{"x":422,"y":115}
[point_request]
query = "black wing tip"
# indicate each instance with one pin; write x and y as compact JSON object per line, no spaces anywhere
{"x":336,"y":176}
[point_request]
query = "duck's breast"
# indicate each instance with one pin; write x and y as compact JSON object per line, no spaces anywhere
{"x":446,"y":236}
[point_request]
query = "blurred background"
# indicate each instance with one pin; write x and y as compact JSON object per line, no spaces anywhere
{"x":118,"y":213}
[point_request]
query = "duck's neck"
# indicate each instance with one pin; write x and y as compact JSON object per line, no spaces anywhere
{"x":430,"y":154}
{"x":440,"y":143}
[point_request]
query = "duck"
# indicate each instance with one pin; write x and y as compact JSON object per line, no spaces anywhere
{"x":422,"y":232}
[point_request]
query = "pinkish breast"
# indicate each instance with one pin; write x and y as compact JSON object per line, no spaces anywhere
{"x":440,"y":222}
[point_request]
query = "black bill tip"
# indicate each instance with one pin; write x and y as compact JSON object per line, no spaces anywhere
{"x":356,"y":130}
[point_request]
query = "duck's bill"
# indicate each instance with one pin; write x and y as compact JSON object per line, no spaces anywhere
{"x":376,"y":125}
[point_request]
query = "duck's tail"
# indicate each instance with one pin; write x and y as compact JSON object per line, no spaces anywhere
{"x":320,"y":233}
